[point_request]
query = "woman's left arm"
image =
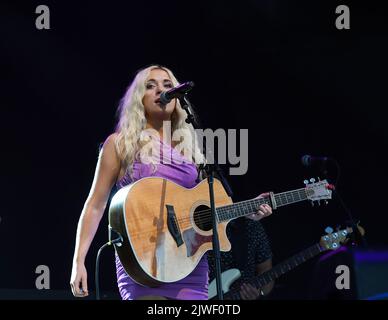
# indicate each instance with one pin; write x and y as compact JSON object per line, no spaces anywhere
{"x":264,"y":210}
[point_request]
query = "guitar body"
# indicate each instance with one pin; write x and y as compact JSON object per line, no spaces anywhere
{"x":228,"y":277}
{"x":164,"y":227}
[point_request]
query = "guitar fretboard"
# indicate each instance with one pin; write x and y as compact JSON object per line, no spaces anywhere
{"x":278,"y":270}
{"x":244,"y":208}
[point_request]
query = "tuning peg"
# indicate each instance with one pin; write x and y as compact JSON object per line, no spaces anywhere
{"x":319,"y":202}
{"x":326,"y":202}
{"x":306,"y":182}
{"x":312,"y":180}
{"x":319,"y":179}
{"x":312,"y":203}
{"x":329,"y":230}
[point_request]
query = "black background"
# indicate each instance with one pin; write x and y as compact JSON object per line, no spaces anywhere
{"x":280,"y":69}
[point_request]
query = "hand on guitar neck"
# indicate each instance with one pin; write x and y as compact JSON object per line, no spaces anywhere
{"x":264,"y":210}
{"x":249,"y":292}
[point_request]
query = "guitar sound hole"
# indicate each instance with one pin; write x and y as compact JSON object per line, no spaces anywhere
{"x":202,"y":218}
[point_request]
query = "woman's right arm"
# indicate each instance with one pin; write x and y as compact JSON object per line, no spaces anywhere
{"x":106,"y":174}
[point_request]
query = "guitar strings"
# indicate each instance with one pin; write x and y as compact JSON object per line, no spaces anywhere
{"x":205,"y":215}
{"x":202,"y":216}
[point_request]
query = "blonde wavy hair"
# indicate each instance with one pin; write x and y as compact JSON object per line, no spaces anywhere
{"x":132,"y":123}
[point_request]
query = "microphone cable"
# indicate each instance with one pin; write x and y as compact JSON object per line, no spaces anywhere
{"x":118,"y":241}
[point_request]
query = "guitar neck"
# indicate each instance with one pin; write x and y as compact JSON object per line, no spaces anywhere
{"x":278,"y":270}
{"x":247,"y":207}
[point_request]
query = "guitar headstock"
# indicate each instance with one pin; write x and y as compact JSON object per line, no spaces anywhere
{"x":317,"y":191}
{"x":333,"y":240}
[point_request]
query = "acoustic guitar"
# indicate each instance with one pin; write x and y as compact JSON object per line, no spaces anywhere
{"x":166,"y":228}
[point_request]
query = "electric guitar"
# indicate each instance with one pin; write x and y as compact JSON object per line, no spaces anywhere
{"x":166,"y":228}
{"x":330,"y":241}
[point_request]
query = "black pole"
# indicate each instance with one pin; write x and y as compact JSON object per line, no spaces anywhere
{"x":210,"y":168}
{"x":216,"y":243}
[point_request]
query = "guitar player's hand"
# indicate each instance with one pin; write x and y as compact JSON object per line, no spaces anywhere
{"x":79,"y":281}
{"x":264,"y":210}
{"x":249,"y":292}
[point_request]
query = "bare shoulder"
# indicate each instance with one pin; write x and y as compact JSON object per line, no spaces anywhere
{"x":109,"y":146}
{"x":109,"y":156}
{"x":111,"y":140}
{"x":107,"y":171}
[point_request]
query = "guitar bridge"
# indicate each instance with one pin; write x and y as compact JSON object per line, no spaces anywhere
{"x":173,"y":226}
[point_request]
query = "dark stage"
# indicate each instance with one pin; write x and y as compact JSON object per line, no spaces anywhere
{"x":280,"y":69}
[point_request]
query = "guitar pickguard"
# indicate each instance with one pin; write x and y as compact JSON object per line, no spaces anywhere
{"x":194,"y":240}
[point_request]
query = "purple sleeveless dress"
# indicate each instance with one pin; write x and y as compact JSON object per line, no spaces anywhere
{"x":195,"y":285}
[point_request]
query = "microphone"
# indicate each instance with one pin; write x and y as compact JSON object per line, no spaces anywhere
{"x":308,"y":160}
{"x":177,"y":92}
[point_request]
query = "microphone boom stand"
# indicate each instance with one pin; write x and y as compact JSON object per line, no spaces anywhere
{"x":210,"y":169}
